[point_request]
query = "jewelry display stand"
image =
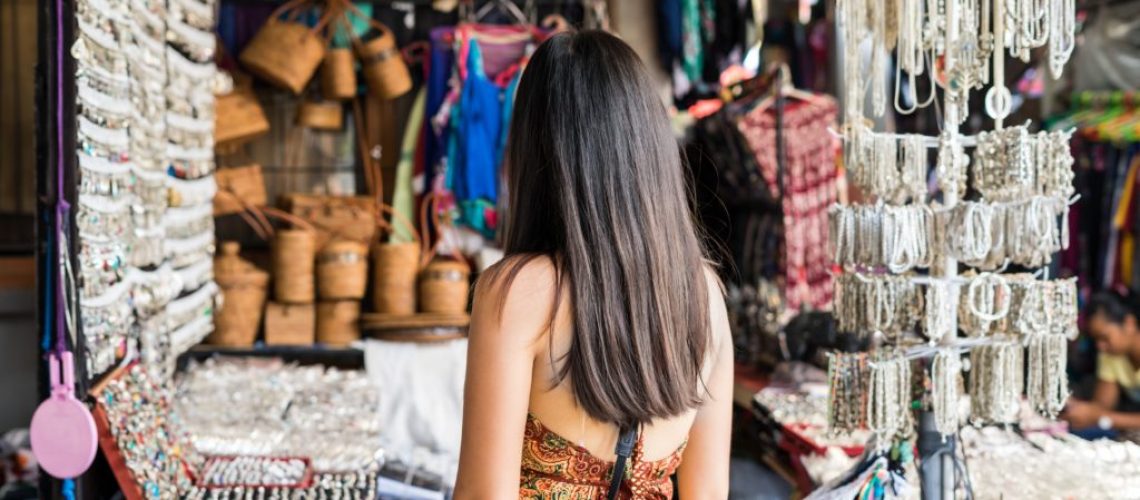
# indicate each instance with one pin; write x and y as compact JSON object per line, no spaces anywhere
{"x":999,"y":207}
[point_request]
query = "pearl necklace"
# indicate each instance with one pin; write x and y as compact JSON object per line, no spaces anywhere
{"x":1062,"y":35}
{"x":1030,"y":23}
{"x":888,"y":401}
{"x":995,"y":382}
{"x":911,"y":47}
{"x":1047,"y":387}
{"x":945,"y":371}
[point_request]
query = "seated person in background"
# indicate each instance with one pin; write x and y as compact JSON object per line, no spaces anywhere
{"x":1113,"y":324}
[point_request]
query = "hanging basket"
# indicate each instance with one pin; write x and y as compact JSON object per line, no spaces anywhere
{"x":246,"y":184}
{"x":244,"y":288}
{"x":238,"y":119}
{"x":338,"y":75}
{"x":338,"y":322}
{"x":286,"y":53}
{"x":336,"y":217}
{"x":444,"y":286}
{"x":443,"y":282}
{"x":342,"y":270}
{"x":321,"y":115}
{"x":294,"y":254}
{"x":382,"y":64}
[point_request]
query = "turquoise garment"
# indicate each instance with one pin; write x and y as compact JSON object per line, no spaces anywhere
{"x":474,"y":147}
{"x":508,"y":109}
{"x":692,"y":50}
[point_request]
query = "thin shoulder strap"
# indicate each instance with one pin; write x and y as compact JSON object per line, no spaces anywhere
{"x":623,"y":449}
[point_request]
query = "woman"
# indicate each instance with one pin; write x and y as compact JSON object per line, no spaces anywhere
{"x":1115,"y":406}
{"x":604,"y":315}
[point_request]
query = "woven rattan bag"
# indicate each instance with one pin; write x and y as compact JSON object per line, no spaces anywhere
{"x":285,"y":52}
{"x":244,"y":288}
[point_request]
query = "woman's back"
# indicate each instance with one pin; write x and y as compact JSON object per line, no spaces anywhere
{"x":568,"y":452}
{"x":604,"y":315}
{"x":557,"y":409}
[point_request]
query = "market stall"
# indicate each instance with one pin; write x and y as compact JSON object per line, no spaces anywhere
{"x":259,"y":223}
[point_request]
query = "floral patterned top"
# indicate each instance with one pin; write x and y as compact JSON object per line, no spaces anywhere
{"x":553,"y":468}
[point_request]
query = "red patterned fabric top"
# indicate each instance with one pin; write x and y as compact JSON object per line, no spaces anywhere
{"x":554,"y":468}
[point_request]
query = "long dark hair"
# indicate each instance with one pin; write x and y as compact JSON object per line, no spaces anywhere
{"x":595,"y":182}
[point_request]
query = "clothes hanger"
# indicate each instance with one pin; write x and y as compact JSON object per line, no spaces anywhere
{"x":507,"y":7}
{"x":783,"y":87}
{"x":749,"y":88}
{"x":472,"y":26}
{"x":1087,"y":106}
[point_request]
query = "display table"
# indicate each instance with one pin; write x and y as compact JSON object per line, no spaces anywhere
{"x":794,"y":441}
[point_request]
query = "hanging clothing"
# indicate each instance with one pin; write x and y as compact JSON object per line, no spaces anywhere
{"x":692,"y":43}
{"x":808,"y":190}
{"x":735,"y":204}
{"x":669,"y":30}
{"x":480,"y":117}
{"x":1120,"y":223}
{"x":470,"y":119}
{"x":440,"y":71}
{"x":403,"y":194}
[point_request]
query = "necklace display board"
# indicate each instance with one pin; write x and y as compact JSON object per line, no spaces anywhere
{"x":127,"y":107}
{"x":144,"y":96}
{"x":1001,"y":204}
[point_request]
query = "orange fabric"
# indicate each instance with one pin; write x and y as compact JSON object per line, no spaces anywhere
{"x":554,"y":468}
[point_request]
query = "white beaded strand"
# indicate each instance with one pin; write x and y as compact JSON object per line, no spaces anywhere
{"x":945,"y":371}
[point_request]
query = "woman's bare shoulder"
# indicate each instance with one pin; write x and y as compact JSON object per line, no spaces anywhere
{"x":518,"y":293}
{"x":718,"y":312}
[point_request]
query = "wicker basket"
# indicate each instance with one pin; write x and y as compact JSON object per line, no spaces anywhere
{"x":238,"y":119}
{"x":285,"y":53}
{"x":338,"y":322}
{"x":336,"y":217}
{"x":244,"y":289}
{"x":321,"y":115}
{"x":245,"y":186}
{"x":294,"y":253}
{"x":290,"y":324}
{"x":394,"y":270}
{"x":383,"y":65}
{"x":342,"y":270}
{"x":338,"y":75}
{"x":444,"y":286}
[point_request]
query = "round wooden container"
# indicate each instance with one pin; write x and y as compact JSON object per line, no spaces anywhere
{"x":383,"y":66}
{"x":342,"y":270}
{"x":338,"y":322}
{"x":338,"y":75}
{"x":444,"y":285}
{"x":394,"y":271}
{"x":294,"y":253}
{"x":244,"y":288}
